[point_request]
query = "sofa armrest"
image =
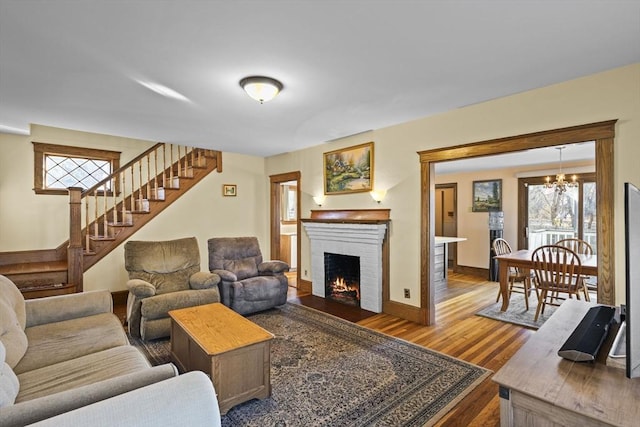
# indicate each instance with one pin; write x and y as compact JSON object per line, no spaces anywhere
{"x":203,"y":280}
{"x":226,"y":275}
{"x":64,"y":307}
{"x":141,"y":288}
{"x":272,"y":267}
{"x":186,"y":400}
{"x":41,"y":408}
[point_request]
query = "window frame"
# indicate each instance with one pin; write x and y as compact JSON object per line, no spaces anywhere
{"x":41,"y":150}
{"x":523,"y":204}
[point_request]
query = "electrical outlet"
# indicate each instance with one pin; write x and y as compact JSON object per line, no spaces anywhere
{"x":305,"y":273}
{"x":407,"y":293}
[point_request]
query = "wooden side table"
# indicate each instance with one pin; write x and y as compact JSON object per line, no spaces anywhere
{"x":232,"y":350}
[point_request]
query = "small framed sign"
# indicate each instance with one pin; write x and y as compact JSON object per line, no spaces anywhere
{"x":229,"y":190}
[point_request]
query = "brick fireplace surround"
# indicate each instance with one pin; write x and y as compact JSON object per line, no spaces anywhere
{"x":359,"y":233}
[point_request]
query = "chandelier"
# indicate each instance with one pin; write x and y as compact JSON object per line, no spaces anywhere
{"x":560,"y":184}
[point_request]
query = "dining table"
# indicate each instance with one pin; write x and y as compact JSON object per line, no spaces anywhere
{"x":522,"y":259}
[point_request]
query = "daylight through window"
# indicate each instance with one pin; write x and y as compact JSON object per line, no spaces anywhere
{"x":58,"y":167}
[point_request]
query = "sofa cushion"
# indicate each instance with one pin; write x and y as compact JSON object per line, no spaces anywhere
{"x":259,"y":288}
{"x":12,"y":335}
{"x":60,"y":341}
{"x":10,"y":294}
{"x":242,"y":268}
{"x":166,"y":264}
{"x":9,"y":385}
{"x":81,"y":371}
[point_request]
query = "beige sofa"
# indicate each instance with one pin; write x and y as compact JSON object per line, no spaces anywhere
{"x":186,"y":400}
{"x":62,"y":353}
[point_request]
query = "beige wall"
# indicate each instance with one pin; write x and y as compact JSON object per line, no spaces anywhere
{"x":610,"y":95}
{"x":29,"y":221}
{"x":474,"y":252}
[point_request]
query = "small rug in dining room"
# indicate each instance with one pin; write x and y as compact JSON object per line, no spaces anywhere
{"x":517,"y":312}
{"x":326,"y":371}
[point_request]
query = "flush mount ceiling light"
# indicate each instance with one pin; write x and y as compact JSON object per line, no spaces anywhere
{"x":260,"y":88}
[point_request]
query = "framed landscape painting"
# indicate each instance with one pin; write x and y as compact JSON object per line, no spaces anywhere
{"x":487,"y":195}
{"x":349,"y":170}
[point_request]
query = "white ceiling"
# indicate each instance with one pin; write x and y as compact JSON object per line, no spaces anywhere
{"x":347,"y":66}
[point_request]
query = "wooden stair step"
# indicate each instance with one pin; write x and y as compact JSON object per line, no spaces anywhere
{"x":39,"y":291}
{"x":120,"y":224}
{"x":33,"y":267}
{"x":102,"y":238}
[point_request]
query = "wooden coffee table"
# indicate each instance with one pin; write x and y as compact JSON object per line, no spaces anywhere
{"x":231,"y":349}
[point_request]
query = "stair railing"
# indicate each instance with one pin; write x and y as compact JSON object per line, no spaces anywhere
{"x":112,"y":202}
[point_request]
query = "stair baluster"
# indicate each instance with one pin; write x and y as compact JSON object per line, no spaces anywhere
{"x":57,"y":271}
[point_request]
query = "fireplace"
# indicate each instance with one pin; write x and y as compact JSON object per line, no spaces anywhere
{"x":342,"y":278}
{"x":351,"y":234}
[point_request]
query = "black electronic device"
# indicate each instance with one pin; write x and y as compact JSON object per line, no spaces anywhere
{"x":585,"y":340}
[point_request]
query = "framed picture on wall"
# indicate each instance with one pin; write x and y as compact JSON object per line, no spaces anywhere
{"x":349,"y":170}
{"x":487,"y":195}
{"x":229,"y":190}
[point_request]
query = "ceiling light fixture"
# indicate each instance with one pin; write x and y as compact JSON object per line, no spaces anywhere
{"x":560,"y":185}
{"x":260,"y":88}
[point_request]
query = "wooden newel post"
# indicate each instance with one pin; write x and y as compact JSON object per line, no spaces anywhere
{"x":75,"y":268}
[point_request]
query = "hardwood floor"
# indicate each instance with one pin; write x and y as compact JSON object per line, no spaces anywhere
{"x":458,"y":332}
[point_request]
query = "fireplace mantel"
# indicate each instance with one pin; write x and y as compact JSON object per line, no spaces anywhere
{"x":360,"y":233}
{"x":350,"y":216}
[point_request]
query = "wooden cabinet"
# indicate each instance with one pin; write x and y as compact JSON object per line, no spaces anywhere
{"x":440,"y":270}
{"x":539,"y":388}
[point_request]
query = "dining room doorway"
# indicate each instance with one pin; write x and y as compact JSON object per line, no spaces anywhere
{"x":603,"y":133}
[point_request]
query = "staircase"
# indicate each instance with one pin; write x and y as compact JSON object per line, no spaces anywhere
{"x":107,"y":214}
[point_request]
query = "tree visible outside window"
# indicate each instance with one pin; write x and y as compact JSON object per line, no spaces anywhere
{"x":552,"y":216}
{"x":58,"y":167}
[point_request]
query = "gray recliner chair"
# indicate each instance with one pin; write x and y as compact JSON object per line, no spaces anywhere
{"x":248,"y":284}
{"x":164,"y":276}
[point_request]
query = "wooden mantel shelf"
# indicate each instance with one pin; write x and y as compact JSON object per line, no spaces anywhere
{"x":350,"y":216}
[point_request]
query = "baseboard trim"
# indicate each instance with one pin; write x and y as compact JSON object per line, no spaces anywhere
{"x":304,"y":285}
{"x":403,"y":311}
{"x":482,"y":273}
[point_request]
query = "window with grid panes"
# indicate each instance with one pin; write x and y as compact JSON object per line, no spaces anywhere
{"x":58,"y":167}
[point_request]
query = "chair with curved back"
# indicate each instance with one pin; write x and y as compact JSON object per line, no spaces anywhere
{"x":580,"y":246}
{"x":557,"y":270}
{"x":519,"y":280}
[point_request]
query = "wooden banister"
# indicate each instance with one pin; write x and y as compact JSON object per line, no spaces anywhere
{"x":75,"y":268}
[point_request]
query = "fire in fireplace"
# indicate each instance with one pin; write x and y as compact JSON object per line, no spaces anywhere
{"x":342,"y":278}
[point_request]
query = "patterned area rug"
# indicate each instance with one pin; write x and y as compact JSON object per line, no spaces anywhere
{"x":326,"y":371}
{"x":517,"y":312}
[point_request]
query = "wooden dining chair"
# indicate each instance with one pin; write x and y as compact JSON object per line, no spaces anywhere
{"x":580,"y":246}
{"x":519,"y":280}
{"x":557,"y":270}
